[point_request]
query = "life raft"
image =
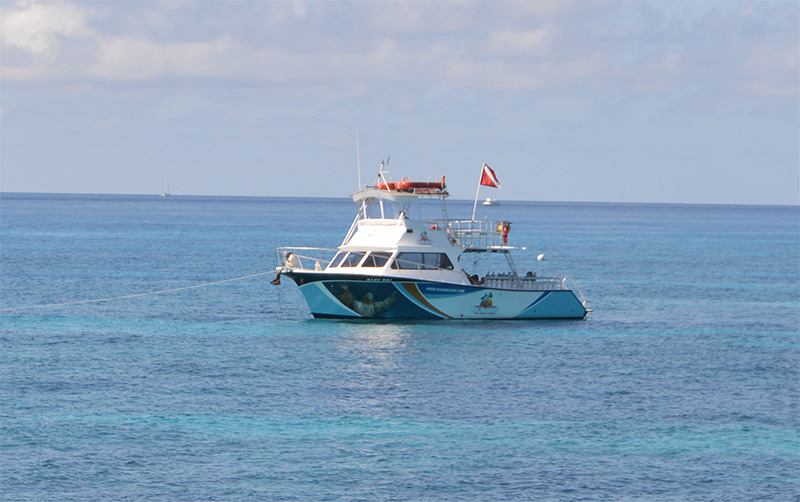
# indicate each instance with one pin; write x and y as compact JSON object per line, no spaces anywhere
{"x":413,"y":186}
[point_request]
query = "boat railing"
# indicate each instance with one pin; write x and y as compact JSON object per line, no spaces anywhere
{"x":569,"y":283}
{"x":528,"y":283}
{"x":307,"y":258}
{"x":472,"y":233}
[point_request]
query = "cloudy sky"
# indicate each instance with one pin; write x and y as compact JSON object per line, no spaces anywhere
{"x":689,"y":102}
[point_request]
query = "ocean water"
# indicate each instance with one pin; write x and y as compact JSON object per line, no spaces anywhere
{"x":684,"y":384}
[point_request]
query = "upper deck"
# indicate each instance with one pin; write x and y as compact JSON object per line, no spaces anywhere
{"x":392,"y":207}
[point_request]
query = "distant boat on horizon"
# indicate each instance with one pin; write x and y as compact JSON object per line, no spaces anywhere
{"x":491,"y":202}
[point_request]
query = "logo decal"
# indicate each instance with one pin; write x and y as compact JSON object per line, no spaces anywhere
{"x":486,"y":305}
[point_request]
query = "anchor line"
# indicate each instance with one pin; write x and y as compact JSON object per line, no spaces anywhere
{"x":136,"y":295}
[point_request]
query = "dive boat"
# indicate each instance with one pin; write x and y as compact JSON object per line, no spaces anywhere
{"x":390,"y":266}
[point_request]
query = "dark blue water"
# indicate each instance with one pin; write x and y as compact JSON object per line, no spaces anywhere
{"x":683,"y":385}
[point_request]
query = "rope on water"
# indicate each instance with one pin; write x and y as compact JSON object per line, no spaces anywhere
{"x":161,"y":292}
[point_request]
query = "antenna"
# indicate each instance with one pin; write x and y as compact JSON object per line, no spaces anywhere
{"x":381,"y":171}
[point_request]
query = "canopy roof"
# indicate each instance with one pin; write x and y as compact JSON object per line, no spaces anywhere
{"x":394,"y":195}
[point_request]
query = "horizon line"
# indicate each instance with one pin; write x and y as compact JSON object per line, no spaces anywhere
{"x":159,"y":195}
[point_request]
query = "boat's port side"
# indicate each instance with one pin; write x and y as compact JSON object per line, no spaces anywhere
{"x":342,"y":296}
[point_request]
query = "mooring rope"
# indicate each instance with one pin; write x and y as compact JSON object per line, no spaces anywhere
{"x":161,"y":292}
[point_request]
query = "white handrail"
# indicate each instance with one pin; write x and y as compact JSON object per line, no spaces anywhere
{"x":299,"y":253}
{"x":577,"y":288}
{"x":472,"y":233}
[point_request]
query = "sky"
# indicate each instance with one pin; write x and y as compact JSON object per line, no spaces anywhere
{"x":671,"y":101}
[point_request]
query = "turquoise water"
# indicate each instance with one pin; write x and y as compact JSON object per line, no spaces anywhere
{"x":683,"y":385}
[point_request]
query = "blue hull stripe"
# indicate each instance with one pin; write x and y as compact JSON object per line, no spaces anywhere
{"x":415,"y":292}
{"x":544,"y":295}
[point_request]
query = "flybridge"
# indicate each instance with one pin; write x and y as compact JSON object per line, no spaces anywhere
{"x":390,"y":204}
{"x":374,"y":198}
{"x":433,"y":188}
{"x":437,"y":188}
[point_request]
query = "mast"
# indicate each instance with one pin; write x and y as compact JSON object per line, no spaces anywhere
{"x":475,"y":206}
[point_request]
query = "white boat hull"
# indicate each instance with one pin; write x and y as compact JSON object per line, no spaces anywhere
{"x":332,"y":296}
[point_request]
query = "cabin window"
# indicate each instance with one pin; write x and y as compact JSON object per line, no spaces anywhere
{"x":423,"y":261}
{"x":376,"y":259}
{"x":352,"y":260}
{"x":337,"y":259}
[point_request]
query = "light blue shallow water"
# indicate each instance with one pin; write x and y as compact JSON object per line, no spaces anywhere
{"x":683,"y":385}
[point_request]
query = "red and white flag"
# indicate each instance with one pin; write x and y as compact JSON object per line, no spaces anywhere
{"x":488,"y":177}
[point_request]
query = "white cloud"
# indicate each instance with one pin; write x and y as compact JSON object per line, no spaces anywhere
{"x":343,"y":48}
{"x":299,"y":8}
{"x":40,"y":28}
{"x":140,"y":60}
